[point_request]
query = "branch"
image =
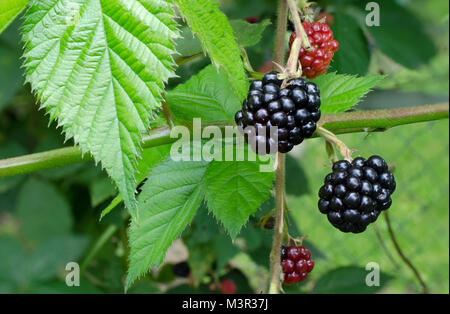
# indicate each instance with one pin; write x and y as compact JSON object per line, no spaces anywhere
{"x":340,"y":123}
{"x":275,"y":262}
{"x":403,"y":256}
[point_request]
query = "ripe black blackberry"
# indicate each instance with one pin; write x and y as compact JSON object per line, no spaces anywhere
{"x":296,"y":263}
{"x":294,"y":110}
{"x":355,"y":193}
{"x":181,"y":269}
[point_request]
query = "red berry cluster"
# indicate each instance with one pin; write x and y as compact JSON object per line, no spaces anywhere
{"x":323,"y":46}
{"x":296,"y":263}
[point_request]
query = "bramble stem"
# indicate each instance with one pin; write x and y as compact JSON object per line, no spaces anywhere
{"x":275,"y":253}
{"x":338,"y":123}
{"x":280,"y":32}
{"x":403,"y":256}
{"x":275,"y":259}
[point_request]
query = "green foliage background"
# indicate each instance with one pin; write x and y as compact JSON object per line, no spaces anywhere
{"x":50,"y":217}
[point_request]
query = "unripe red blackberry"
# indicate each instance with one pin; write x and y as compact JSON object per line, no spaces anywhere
{"x":355,"y":193}
{"x":323,"y":47}
{"x":293,"y":111}
{"x":296,"y":264}
{"x":228,"y":286}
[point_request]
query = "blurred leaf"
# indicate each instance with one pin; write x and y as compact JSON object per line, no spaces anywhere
{"x":7,"y":150}
{"x":144,"y":287}
{"x":60,"y":287}
{"x":401,"y":36}
{"x":353,"y":55}
{"x":9,"y":10}
{"x":341,"y":92}
{"x":207,"y":95}
{"x":224,"y":250}
{"x":296,"y":180}
{"x":201,"y":259}
{"x":168,"y":202}
{"x":166,"y":274}
{"x":248,"y":34}
{"x":235,"y":190}
{"x":211,"y":26}
{"x":100,"y":190}
{"x":50,"y":258}
{"x":101,"y":75}
{"x":42,"y":211}
{"x":257,"y":275}
{"x":348,"y":280}
{"x":245,"y":8}
{"x":252,"y":237}
{"x":12,"y":263}
{"x":11,"y":79}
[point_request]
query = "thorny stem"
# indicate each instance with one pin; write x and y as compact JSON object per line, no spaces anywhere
{"x":403,"y":256}
{"x":275,"y":259}
{"x":340,"y":123}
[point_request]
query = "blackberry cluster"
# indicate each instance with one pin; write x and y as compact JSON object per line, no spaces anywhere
{"x":323,"y":47}
{"x":294,"y":110}
{"x":355,"y":193}
{"x":296,"y":263}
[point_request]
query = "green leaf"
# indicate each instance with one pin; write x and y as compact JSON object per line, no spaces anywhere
{"x":401,"y":36}
{"x":9,"y":10}
{"x":353,"y":55}
{"x":208,"y":95}
{"x":168,"y":202}
{"x":216,"y":34}
{"x":341,"y":92}
{"x":348,"y":280}
{"x":99,"y":67}
{"x":43,"y":212}
{"x":248,"y":34}
{"x":150,"y":158}
{"x":235,"y":190}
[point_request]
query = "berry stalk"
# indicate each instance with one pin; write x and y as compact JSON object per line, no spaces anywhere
{"x":399,"y":250}
{"x":294,"y":68}
{"x":332,"y":139}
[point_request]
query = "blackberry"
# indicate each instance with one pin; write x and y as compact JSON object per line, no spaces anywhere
{"x":181,"y":269}
{"x":296,"y":263}
{"x":323,"y":47}
{"x":355,"y":193}
{"x":275,"y":117}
